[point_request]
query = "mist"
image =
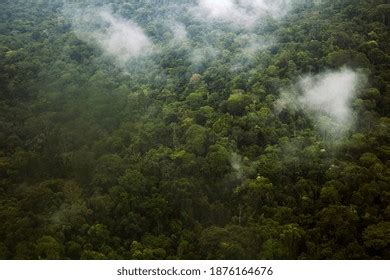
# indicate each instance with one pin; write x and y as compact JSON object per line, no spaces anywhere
{"x":121,"y":38}
{"x":124,"y":38}
{"x":243,"y":13}
{"x":326,"y":98}
{"x":237,"y":165}
{"x":330,"y":93}
{"x":117,"y":37}
{"x":178,"y":30}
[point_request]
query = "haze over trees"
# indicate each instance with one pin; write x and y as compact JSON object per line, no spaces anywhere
{"x":247,"y":129}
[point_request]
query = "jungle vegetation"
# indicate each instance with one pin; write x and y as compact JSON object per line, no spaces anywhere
{"x":182,"y":152}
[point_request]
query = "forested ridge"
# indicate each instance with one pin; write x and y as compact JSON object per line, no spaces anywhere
{"x":189,"y":149}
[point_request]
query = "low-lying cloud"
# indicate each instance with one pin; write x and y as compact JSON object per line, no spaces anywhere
{"x":119,"y":38}
{"x":237,"y":165}
{"x":125,"y":40}
{"x":244,"y":13}
{"x":326,"y":98}
{"x":330,"y":93}
{"x":179,"y":31}
{"x":122,"y":38}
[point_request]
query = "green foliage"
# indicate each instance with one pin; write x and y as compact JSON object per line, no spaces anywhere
{"x":377,"y":237}
{"x":171,"y":159}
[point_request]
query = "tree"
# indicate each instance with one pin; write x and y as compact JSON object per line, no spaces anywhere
{"x":48,"y":248}
{"x":237,"y":103}
{"x":196,"y":139}
{"x":377,"y":237}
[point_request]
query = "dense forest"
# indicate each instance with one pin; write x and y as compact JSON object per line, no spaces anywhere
{"x":195,"y":129}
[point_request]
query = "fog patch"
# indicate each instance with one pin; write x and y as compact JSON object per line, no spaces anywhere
{"x":249,"y":46}
{"x":179,"y":31}
{"x":117,"y":37}
{"x":202,"y":55}
{"x":326,"y":98}
{"x":244,"y":13}
{"x":237,"y":165}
